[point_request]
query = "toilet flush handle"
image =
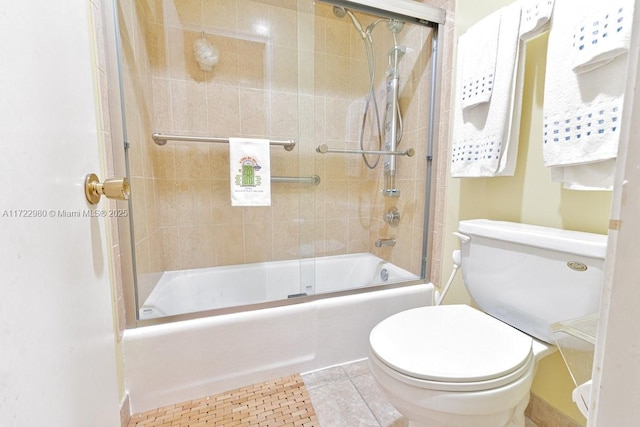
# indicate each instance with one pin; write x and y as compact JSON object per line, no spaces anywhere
{"x":463,"y":237}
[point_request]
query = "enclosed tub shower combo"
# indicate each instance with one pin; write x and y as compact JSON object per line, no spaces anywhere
{"x":280,"y":158}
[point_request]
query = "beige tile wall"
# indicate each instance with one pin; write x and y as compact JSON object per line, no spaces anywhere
{"x":146,"y":161}
{"x":283,"y":74}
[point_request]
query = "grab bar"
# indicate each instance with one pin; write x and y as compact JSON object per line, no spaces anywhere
{"x":314,"y":179}
{"x":324,"y":149}
{"x":161,"y":139}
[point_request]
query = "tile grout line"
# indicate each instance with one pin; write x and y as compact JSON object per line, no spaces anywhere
{"x":355,"y":386}
{"x":363,"y":398}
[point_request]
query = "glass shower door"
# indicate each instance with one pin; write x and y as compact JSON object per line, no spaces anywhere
{"x":199,"y":72}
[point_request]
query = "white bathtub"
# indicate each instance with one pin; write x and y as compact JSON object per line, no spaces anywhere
{"x":179,"y":361}
{"x":188,"y":291}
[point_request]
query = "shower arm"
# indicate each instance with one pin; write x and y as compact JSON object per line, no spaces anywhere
{"x":324,"y":149}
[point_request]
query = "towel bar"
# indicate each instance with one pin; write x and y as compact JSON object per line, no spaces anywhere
{"x":161,"y":139}
{"x":323,"y":149}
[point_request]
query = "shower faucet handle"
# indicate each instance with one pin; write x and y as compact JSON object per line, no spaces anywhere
{"x":392,"y":216}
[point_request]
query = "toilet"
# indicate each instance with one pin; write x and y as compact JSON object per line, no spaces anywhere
{"x":455,"y":365}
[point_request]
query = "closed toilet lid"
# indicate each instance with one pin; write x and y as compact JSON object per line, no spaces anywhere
{"x":450,"y":343}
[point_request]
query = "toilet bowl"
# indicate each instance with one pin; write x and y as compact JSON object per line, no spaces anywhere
{"x":457,"y":366}
{"x":454,"y":366}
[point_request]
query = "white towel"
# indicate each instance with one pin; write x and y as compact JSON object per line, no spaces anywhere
{"x":581,"y":111}
{"x":485,"y":137}
{"x":477,"y":54}
{"x":598,"y":176}
{"x":250,"y":172}
{"x":535,"y":17}
{"x":602,"y":35}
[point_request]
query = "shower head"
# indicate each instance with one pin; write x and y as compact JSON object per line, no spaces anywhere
{"x":341,"y":12}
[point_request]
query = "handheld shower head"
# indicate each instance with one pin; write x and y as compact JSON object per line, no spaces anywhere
{"x":341,"y":12}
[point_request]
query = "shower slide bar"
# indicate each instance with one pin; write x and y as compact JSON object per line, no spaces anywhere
{"x":314,"y":179}
{"x":324,"y":149}
{"x":161,"y":139}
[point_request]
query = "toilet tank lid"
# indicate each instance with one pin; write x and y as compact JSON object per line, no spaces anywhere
{"x":575,"y":242}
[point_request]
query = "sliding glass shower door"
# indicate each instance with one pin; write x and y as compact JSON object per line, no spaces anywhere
{"x":302,"y":75}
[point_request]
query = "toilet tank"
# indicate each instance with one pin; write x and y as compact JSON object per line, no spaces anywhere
{"x":531,"y":276}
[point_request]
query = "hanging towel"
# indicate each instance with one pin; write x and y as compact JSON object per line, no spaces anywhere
{"x":477,"y":54}
{"x":485,"y":137}
{"x":581,"y":123}
{"x":535,"y":17}
{"x":601,"y":36}
{"x":598,"y":176}
{"x":250,"y":172}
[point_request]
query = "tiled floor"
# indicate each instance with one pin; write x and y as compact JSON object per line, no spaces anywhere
{"x":347,"y":395}
{"x":340,"y":396}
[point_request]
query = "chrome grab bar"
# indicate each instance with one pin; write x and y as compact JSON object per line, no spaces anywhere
{"x":161,"y":139}
{"x":323,"y":149}
{"x":314,"y":179}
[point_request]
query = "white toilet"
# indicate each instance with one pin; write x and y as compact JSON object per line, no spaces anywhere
{"x":453,"y":365}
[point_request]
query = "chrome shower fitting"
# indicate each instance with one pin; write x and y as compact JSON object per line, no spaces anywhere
{"x":392,"y":120}
{"x":371,"y":102}
{"x":389,"y":129}
{"x":385,"y":242}
{"x":392,"y":216}
{"x":341,"y":12}
{"x":395,"y":26}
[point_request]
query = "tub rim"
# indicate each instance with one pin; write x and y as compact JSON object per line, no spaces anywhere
{"x":271,"y":304}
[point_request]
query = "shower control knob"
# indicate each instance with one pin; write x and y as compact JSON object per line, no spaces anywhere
{"x":392,"y":216}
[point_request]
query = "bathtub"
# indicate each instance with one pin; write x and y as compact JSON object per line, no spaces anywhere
{"x":184,"y":360}
{"x":188,"y":291}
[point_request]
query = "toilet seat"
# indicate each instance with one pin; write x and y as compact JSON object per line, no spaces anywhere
{"x":452,"y":347}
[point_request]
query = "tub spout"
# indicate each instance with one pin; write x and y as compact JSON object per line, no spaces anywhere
{"x":385,"y":242}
